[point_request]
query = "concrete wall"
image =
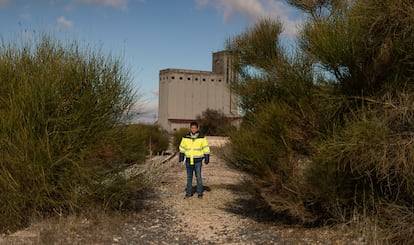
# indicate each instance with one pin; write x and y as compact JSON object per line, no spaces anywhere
{"x":185,"y":94}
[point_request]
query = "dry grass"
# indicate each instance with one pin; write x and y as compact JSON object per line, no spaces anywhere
{"x":95,"y":225}
{"x":91,"y":227}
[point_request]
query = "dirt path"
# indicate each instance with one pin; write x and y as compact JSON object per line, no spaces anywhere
{"x":227,"y":214}
{"x":208,"y":219}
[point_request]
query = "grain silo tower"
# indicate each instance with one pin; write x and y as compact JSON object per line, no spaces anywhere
{"x":185,"y":94}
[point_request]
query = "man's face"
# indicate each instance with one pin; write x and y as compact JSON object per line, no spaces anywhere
{"x":193,"y":129}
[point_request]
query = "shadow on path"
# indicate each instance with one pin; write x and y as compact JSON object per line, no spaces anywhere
{"x":250,"y":205}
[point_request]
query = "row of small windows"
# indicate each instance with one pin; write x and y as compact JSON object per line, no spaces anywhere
{"x":189,"y":79}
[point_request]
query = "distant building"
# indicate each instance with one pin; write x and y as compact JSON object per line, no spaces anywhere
{"x":185,"y":94}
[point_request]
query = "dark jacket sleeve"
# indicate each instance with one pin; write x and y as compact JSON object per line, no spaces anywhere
{"x":206,"y":158}
{"x":181,"y":157}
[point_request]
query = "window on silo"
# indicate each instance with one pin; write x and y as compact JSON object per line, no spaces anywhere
{"x":173,"y":77}
{"x":181,"y":78}
{"x":188,"y":78}
{"x":204,"y":79}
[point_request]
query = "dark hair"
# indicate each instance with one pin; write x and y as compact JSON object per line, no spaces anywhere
{"x":193,"y":123}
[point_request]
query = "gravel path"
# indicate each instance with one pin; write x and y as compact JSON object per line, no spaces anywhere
{"x":227,"y":214}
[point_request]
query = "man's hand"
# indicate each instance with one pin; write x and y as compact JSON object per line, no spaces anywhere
{"x":181,"y":157}
{"x":206,"y":158}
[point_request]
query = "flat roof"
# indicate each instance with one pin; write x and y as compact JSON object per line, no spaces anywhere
{"x":184,"y":71}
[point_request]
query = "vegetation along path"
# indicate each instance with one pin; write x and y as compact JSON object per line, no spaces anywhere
{"x":227,"y":214}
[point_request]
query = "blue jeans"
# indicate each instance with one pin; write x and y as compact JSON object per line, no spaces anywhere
{"x":197,"y":169}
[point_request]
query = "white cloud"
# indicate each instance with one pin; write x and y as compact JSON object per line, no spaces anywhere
{"x":257,"y":9}
{"x":62,"y":21}
{"x":121,"y":4}
{"x":252,"y":9}
{"x":146,"y":112}
{"x":155,"y":92}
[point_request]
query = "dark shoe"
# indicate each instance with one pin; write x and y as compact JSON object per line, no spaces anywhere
{"x":187,"y":196}
{"x":200,"y":196}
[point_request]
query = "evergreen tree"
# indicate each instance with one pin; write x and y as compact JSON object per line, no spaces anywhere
{"x":327,"y":131}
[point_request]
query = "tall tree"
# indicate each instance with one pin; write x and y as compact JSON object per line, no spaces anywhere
{"x":327,"y":130}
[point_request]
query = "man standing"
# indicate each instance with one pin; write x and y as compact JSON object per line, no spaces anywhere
{"x":194,"y":148}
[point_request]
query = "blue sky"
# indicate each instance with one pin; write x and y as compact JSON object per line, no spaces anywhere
{"x":150,"y":35}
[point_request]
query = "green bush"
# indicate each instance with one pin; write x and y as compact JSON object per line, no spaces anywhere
{"x":327,"y":131}
{"x":121,"y":146}
{"x":368,"y":162}
{"x":260,"y":145}
{"x":213,"y":122}
{"x":151,"y":136}
{"x":57,"y":102}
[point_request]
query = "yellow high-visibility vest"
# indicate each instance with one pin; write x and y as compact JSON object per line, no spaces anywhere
{"x":194,"y":148}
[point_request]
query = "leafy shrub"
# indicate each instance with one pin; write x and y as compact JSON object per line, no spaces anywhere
{"x":260,"y":145}
{"x":57,"y":102}
{"x":327,"y":132}
{"x":126,"y":145}
{"x":213,"y":122}
{"x":367,"y":163}
{"x":151,"y":135}
{"x":264,"y":147}
{"x":122,"y":145}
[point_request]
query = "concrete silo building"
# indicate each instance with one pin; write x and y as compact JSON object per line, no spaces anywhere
{"x":185,"y":94}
